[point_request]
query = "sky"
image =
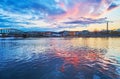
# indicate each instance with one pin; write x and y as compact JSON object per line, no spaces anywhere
{"x":57,"y":15}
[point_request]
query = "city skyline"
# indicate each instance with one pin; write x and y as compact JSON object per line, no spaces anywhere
{"x":57,"y":15}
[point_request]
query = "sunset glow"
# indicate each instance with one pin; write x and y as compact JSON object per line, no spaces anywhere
{"x":58,"y":15}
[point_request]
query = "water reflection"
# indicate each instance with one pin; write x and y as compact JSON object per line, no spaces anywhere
{"x":60,"y":58}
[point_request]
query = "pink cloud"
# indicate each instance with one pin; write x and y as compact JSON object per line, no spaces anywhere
{"x":84,"y":8}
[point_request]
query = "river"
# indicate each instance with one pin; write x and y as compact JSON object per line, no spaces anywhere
{"x":60,"y":58}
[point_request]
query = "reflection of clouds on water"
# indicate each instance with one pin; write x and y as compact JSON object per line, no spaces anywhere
{"x":88,"y":61}
{"x":58,"y":58}
{"x":86,"y":58}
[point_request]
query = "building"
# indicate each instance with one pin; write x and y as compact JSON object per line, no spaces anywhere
{"x":64,"y":33}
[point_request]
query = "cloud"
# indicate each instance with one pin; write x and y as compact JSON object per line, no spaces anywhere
{"x":112,"y":6}
{"x":44,"y":13}
{"x":86,"y":21}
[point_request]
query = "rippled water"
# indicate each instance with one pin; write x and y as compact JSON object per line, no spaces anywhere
{"x":60,"y":58}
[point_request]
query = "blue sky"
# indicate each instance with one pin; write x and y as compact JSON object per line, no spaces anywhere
{"x":58,"y":15}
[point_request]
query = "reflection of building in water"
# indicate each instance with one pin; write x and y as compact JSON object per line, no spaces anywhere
{"x":96,"y":42}
{"x":114,"y":47}
{"x":88,"y":42}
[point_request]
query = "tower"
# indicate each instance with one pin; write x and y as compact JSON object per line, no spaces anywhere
{"x":107,"y":28}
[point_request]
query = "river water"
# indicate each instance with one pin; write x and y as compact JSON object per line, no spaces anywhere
{"x":60,"y":58}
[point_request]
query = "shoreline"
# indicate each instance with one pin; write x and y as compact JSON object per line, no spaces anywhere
{"x":67,"y":37}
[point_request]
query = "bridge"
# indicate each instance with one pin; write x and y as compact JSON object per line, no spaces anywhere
{"x":10,"y":31}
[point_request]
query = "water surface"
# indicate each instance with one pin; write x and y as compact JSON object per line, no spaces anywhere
{"x":60,"y":58}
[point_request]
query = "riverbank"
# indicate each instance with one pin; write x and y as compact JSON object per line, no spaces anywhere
{"x":95,"y":36}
